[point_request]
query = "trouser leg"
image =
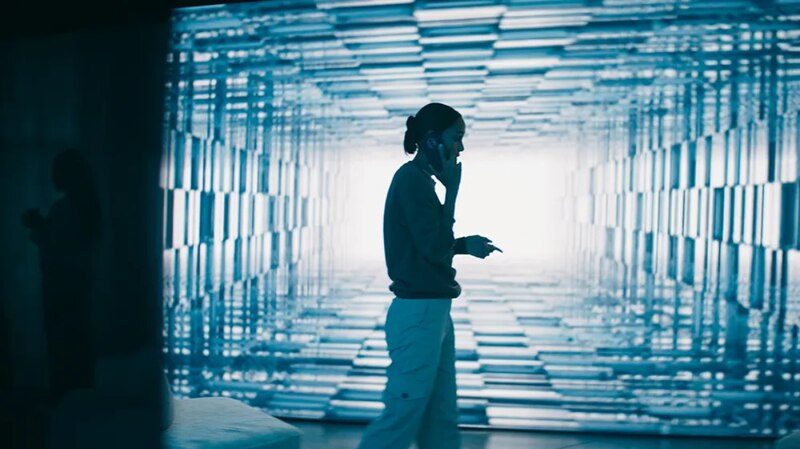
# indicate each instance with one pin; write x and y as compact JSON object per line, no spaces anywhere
{"x":439,"y":428}
{"x":415,"y":330}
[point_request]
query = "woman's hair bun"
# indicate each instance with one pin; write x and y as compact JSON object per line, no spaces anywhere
{"x":410,"y":122}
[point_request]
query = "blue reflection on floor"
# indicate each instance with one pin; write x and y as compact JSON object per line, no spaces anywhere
{"x":535,"y":350}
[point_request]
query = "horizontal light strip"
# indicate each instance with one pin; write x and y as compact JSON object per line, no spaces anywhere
{"x":376,"y":31}
{"x":457,"y":54}
{"x":405,"y":101}
{"x":533,"y":43}
{"x":454,"y":86}
{"x":452,"y":64}
{"x":405,"y":37}
{"x":456,"y":95}
{"x":521,"y":63}
{"x":390,"y":70}
{"x":382,"y":87}
{"x":325,"y":4}
{"x":498,"y":105}
{"x":566,"y":10}
{"x":458,"y":39}
{"x":543,"y":22}
{"x":301,"y":28}
{"x":455,"y":73}
{"x":481,"y":12}
{"x":387,"y":50}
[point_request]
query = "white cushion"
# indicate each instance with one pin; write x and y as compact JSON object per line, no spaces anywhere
{"x":225,"y":423}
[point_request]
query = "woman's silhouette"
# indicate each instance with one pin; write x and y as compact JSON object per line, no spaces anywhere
{"x":66,"y":238}
{"x":420,"y":395}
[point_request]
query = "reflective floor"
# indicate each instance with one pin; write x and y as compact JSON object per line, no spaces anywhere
{"x":535,"y":350}
{"x":346,"y":436}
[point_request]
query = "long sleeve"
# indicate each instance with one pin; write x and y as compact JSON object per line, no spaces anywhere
{"x":460,"y":246}
{"x":431,"y":232}
{"x":418,"y":238}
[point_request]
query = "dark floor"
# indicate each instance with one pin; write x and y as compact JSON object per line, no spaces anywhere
{"x":346,"y":436}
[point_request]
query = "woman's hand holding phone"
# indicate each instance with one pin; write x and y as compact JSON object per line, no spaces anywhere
{"x":450,"y":175}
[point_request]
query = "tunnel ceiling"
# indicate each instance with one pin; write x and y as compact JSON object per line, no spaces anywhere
{"x":520,"y":71}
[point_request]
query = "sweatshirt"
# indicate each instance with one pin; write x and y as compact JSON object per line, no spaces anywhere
{"x":418,"y":240}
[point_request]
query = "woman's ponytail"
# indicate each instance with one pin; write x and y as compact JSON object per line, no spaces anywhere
{"x":410,"y":139}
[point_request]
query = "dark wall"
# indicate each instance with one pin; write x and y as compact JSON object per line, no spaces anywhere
{"x":99,"y":90}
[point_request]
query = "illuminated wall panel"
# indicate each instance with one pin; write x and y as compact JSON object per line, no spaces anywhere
{"x":694,"y":235}
{"x":247,"y":212}
{"x":675,"y":130}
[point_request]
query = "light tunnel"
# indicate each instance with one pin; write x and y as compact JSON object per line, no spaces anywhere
{"x":637,"y":162}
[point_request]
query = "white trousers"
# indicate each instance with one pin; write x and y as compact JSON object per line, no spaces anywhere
{"x":420,"y":395}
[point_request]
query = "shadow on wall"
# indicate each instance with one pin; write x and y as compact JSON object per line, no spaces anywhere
{"x":81,"y":231}
{"x":66,"y":238}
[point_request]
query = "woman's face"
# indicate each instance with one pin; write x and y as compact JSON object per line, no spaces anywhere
{"x":452,"y":138}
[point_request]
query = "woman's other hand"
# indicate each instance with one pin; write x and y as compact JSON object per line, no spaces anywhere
{"x":480,"y":246}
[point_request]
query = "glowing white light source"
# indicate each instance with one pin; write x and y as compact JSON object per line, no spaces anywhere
{"x":522,"y":63}
{"x":456,"y":73}
{"x":405,"y":101}
{"x":457,"y":54}
{"x":444,"y":64}
{"x":387,"y":50}
{"x":481,"y":12}
{"x":357,"y":101}
{"x":324,"y":4}
{"x":494,"y":124}
{"x":407,"y":37}
{"x":542,"y":21}
{"x":378,"y":31}
{"x":385,"y":132}
{"x":512,"y":197}
{"x":457,"y":39}
{"x":456,"y":95}
{"x":454,"y":87}
{"x":532,"y":43}
{"x":301,"y":28}
{"x":494,"y":105}
{"x":389,"y":70}
{"x":392,"y":77}
{"x":397,"y":86}
{"x":564,"y":84}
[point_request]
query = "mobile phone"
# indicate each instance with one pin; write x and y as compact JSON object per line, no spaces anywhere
{"x":430,"y":146}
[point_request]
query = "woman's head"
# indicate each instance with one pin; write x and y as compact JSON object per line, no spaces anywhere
{"x":439,"y":118}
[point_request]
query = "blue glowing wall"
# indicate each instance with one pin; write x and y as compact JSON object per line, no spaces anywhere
{"x":247,"y":192}
{"x":685,"y":212}
{"x":677,"y":311}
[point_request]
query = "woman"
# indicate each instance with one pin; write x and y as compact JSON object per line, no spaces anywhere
{"x":420,"y":395}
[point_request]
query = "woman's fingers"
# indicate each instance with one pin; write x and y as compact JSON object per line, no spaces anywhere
{"x":445,"y":156}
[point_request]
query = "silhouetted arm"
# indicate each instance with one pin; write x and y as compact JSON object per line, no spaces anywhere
{"x":460,"y":246}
